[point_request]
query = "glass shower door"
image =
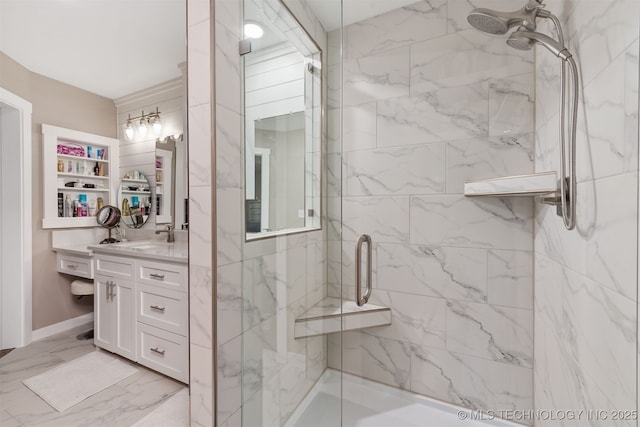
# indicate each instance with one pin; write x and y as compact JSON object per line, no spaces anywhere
{"x":426,"y":103}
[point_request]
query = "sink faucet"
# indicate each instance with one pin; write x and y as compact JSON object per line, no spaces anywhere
{"x":169,"y":231}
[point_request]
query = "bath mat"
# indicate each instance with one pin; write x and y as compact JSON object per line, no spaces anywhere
{"x":174,"y":412}
{"x":74,"y":381}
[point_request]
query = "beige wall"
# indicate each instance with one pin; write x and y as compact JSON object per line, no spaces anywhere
{"x":57,"y":104}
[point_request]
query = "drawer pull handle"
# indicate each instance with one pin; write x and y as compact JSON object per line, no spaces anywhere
{"x":157,"y":307}
{"x":157,"y":350}
{"x":157,"y":276}
{"x":72,"y":266}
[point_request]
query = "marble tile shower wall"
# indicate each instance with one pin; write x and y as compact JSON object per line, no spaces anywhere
{"x":586,"y":288}
{"x":429,"y":103}
{"x":262,"y":286}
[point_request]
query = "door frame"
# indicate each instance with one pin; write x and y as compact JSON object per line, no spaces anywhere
{"x":15,"y":221}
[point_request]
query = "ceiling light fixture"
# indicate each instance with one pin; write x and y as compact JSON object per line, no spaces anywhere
{"x":253,"y":30}
{"x":145,"y":121}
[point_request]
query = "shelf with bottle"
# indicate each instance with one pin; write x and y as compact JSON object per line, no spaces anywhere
{"x":136,"y":192}
{"x":76,"y":166}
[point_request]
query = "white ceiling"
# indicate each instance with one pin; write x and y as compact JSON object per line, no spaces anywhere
{"x":328,"y":11}
{"x":108,"y":47}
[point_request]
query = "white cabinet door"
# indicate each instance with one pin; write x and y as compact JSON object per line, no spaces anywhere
{"x":124,"y":305}
{"x":115,"y":321}
{"x":103,"y":307}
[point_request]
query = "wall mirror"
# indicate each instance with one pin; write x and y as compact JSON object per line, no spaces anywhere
{"x":134,"y":199}
{"x":171,"y":183}
{"x":283,"y":119}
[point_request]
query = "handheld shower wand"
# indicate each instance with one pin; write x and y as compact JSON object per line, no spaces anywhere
{"x":524,"y":38}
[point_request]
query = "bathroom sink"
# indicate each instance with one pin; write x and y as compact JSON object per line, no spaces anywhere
{"x":144,"y":244}
{"x":142,"y":247}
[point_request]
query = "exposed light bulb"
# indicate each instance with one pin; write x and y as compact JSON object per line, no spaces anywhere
{"x":156,"y":125}
{"x":253,"y":31}
{"x":142,"y":128}
{"x":128,"y":131}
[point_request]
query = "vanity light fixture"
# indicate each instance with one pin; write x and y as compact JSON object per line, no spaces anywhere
{"x":145,"y":121}
{"x":253,"y":30}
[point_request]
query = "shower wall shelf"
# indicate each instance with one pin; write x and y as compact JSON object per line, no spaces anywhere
{"x":536,"y":184}
{"x":333,"y":315}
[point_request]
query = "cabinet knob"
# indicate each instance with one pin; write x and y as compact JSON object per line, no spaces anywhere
{"x":157,"y":276}
{"x":72,"y":266}
{"x":157,"y":307}
{"x":157,"y":350}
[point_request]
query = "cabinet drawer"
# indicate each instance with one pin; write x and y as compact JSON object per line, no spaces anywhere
{"x":166,"y":275}
{"x":76,"y":266}
{"x":114,"y":266}
{"x":163,"y":308}
{"x":163,"y":351}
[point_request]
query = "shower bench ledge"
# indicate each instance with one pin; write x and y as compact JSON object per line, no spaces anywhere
{"x":334,"y":314}
{"x":535,"y":184}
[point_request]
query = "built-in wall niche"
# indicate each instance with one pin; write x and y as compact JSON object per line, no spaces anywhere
{"x":78,"y":173}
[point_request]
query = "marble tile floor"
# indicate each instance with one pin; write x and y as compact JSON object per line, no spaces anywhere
{"x":122,"y":404}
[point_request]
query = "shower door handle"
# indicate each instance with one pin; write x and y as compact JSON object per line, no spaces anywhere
{"x":361,"y":299}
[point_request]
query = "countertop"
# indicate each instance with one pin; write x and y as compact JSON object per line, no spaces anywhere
{"x":75,"y":249}
{"x":152,"y":249}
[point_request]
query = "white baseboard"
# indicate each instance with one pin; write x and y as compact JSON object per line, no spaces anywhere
{"x":56,"y":328}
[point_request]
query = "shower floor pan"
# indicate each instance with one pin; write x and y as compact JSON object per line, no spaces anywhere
{"x":370,"y":404}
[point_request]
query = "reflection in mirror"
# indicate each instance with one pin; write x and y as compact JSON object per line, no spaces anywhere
{"x":171,"y":183}
{"x":134,"y":197}
{"x":283,"y":85}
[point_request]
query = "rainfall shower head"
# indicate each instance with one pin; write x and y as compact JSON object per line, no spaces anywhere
{"x":524,"y":40}
{"x":496,"y":22}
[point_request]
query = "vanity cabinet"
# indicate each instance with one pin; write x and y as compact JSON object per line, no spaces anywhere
{"x":114,"y":305}
{"x":141,"y":312}
{"x":72,"y":167}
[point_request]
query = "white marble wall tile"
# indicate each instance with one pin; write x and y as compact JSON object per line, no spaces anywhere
{"x":200,"y":306}
{"x":200,"y":218}
{"x":316,"y":357}
{"x":200,"y":143}
{"x":549,"y":281}
{"x":386,"y":360}
{"x":228,"y":13}
{"x":605,"y":26}
{"x":602,"y":124}
{"x":510,"y":278}
{"x":201,"y":387}
{"x":469,"y":381}
{"x":197,"y":11}
{"x":464,"y":58}
{"x":453,"y":273}
{"x":230,"y":227}
{"x":229,"y":302}
{"x":316,"y":268}
{"x":602,"y":336}
{"x":334,"y":40}
{"x":260,"y":360}
{"x":511,"y":105}
{"x":415,"y":319}
{"x":491,"y":332}
{"x":400,"y":27}
{"x":304,"y":14}
{"x":612,"y":248}
{"x":228,"y":148}
{"x":443,"y":115}
{"x":334,"y":87}
{"x":263,"y":408}
{"x":381,"y":76}
{"x":394,"y":171}
{"x":199,"y":69}
{"x":631,"y":94}
{"x":458,"y":10}
{"x":292,"y":270}
{"x":493,"y":157}
{"x":456,"y":221}
{"x":229,"y":378}
{"x":345,"y":352}
{"x":385,"y":219}
{"x":359,"y":127}
{"x":234,"y":420}
{"x":227,"y":68}
{"x":334,"y":175}
{"x":260,"y":291}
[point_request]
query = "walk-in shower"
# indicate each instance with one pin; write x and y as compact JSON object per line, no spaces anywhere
{"x":524,"y":38}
